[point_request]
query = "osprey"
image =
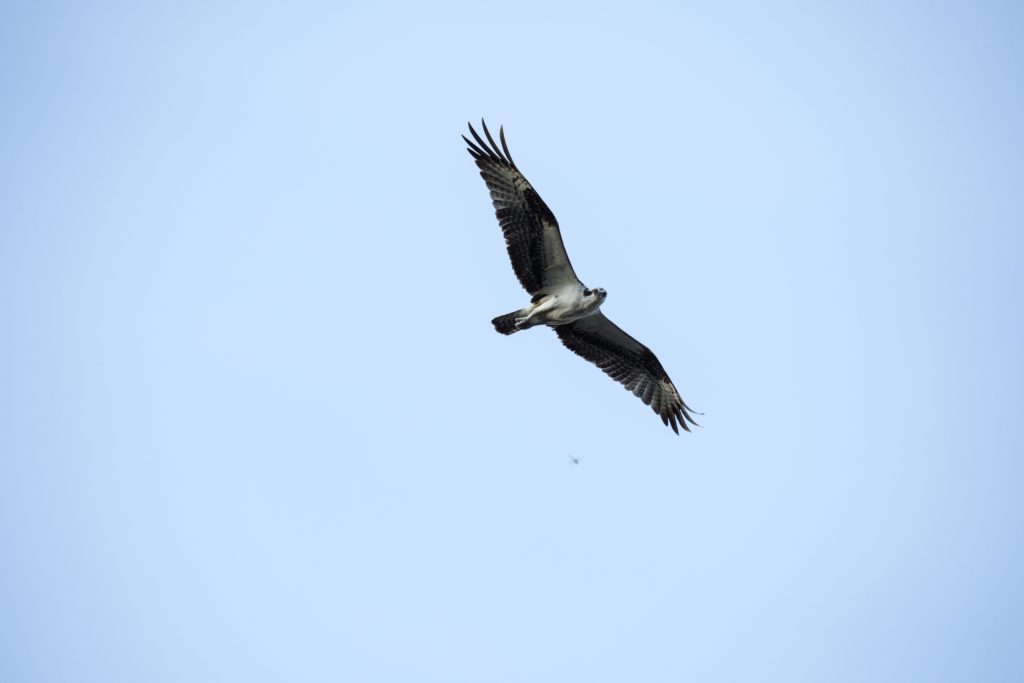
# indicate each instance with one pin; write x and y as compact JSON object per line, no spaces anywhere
{"x":557,"y":297}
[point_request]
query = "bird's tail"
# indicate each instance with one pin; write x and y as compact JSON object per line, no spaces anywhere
{"x":506,"y":324}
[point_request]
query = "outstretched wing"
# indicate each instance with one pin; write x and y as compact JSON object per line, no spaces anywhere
{"x":628,"y":362}
{"x":531,"y":231}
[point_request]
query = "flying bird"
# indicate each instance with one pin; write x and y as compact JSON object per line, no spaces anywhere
{"x":557,"y":297}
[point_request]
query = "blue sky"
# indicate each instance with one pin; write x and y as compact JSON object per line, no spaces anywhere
{"x":256,"y":424}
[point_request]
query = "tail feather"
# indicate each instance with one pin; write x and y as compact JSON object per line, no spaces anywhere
{"x":506,"y":324}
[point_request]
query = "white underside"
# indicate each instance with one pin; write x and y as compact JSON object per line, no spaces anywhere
{"x":559,"y":307}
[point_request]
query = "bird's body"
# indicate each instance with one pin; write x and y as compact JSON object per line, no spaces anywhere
{"x":558,"y":298}
{"x":565,"y":304}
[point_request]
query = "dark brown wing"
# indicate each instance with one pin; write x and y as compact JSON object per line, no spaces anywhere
{"x":628,"y":362}
{"x":531,"y":231}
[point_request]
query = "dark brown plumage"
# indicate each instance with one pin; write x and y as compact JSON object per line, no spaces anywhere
{"x":540,"y":262}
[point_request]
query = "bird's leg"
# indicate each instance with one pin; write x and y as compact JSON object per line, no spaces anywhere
{"x":535,"y":312}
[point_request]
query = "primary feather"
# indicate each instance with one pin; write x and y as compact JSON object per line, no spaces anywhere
{"x":558,"y":298}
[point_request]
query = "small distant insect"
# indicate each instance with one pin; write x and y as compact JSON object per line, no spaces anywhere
{"x":574,"y":461}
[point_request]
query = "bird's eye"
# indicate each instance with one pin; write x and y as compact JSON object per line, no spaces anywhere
{"x":586,"y":292}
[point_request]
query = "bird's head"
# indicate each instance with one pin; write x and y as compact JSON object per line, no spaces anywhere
{"x":597,"y":293}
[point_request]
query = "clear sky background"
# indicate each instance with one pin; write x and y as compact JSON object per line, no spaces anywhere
{"x":255,"y":424}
